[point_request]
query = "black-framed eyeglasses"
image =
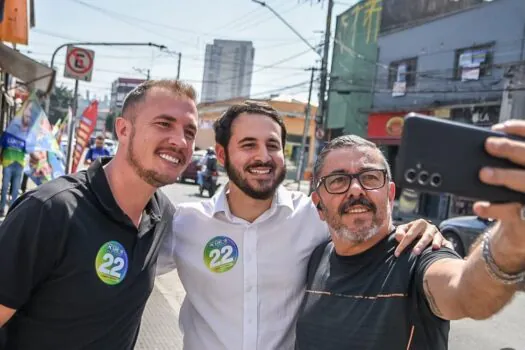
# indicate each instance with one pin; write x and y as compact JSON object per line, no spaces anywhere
{"x":371,"y":179}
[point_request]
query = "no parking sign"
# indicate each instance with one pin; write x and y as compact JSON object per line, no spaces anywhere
{"x":79,"y":63}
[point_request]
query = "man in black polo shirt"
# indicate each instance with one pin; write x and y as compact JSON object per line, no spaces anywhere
{"x":78,"y":254}
{"x":360,"y":296}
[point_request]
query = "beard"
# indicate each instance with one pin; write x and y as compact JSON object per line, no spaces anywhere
{"x":150,"y":176}
{"x":361,"y":230}
{"x":266,"y":188}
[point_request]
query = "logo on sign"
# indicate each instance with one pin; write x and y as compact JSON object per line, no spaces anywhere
{"x":220,"y":254}
{"x":394,"y":126}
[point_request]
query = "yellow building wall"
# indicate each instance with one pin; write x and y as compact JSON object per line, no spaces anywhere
{"x":208,"y":113}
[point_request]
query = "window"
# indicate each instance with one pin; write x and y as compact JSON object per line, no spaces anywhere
{"x":403,"y":71}
{"x":474,"y":62}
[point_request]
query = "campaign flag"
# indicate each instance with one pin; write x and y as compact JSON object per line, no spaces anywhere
{"x":32,"y":129}
{"x":88,"y":121}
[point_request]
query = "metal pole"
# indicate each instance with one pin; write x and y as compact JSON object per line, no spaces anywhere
{"x":305,"y":132}
{"x":147,"y":76}
{"x":262,"y":3}
{"x":71,"y":129}
{"x":161,"y":47}
{"x":178,"y":67}
{"x":321,"y":111}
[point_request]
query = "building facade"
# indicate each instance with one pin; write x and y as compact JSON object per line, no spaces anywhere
{"x":228,"y":70}
{"x":352,"y":73}
{"x":119,"y":89}
{"x":454,"y":65}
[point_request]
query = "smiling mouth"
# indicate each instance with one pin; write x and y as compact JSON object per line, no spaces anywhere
{"x":260,"y":170}
{"x":358,"y":209}
{"x":171,"y":159}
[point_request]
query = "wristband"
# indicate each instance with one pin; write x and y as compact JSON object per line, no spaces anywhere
{"x":493,"y":269}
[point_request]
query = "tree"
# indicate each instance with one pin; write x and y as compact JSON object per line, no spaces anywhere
{"x":61,"y":99}
{"x":110,"y":122}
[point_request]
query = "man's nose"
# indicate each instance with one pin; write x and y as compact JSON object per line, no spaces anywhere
{"x":355,"y":188}
{"x":263,"y":155}
{"x":178,"y":138}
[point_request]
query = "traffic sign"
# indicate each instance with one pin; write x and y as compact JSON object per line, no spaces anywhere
{"x":79,"y":63}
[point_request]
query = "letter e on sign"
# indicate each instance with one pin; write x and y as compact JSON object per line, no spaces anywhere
{"x":79,"y":63}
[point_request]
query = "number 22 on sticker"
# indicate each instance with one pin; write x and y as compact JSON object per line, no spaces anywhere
{"x":109,"y":260}
{"x":224,"y":255}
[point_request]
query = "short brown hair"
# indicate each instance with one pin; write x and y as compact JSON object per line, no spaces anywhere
{"x":223,"y":125}
{"x":138,"y":94}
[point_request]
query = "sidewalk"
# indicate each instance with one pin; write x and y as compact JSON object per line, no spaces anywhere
{"x":160,"y":322}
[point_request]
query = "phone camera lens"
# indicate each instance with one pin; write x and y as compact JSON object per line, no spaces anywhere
{"x":423,"y":178}
{"x":410,"y":175}
{"x":435,"y":180}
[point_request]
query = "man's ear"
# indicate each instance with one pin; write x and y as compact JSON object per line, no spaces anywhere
{"x":122,"y":128}
{"x":221,"y":153}
{"x":391,"y":193}
{"x":317,"y":202}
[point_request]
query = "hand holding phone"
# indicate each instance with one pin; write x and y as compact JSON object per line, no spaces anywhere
{"x":442,"y":156}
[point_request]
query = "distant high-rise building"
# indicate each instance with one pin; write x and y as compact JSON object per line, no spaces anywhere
{"x":228,"y":70}
{"x":119,"y":89}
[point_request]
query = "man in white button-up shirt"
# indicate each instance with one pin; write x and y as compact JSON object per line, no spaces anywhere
{"x":242,"y":255}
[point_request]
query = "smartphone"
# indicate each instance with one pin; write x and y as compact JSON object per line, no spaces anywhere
{"x":442,"y":156}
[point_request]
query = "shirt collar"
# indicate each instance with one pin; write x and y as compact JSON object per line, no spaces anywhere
{"x":281,"y":198}
{"x":100,"y":187}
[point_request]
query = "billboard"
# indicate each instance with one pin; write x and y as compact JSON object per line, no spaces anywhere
{"x":403,"y":13}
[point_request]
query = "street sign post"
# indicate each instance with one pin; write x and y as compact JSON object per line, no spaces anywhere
{"x":79,"y":63}
{"x":79,"y":66}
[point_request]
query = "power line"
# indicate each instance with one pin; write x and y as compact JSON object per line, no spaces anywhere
{"x":132,"y":21}
{"x":153,"y":23}
{"x":266,"y":67}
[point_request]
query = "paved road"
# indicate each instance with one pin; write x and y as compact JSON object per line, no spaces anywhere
{"x":160,"y":329}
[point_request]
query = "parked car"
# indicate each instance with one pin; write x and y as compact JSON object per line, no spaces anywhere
{"x":462,"y":231}
{"x":191,"y":171}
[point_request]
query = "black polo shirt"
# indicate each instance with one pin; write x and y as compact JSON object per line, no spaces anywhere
{"x":371,"y":301}
{"x":74,"y":266}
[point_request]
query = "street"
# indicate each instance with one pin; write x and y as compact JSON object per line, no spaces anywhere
{"x":160,"y":325}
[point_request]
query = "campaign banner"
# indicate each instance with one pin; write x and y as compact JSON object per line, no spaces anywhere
{"x":87,"y":125}
{"x":30,"y":126}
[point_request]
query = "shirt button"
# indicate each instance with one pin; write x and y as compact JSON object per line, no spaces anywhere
{"x":249,"y":288}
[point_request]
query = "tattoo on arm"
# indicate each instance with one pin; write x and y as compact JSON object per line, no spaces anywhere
{"x":430,"y":299}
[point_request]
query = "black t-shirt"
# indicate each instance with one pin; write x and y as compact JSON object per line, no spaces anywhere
{"x":74,"y":266}
{"x":372,"y":300}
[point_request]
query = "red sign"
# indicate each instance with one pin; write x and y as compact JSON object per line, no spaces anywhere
{"x":387,"y":126}
{"x":84,"y":131}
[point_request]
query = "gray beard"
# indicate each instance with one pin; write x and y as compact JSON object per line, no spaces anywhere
{"x":344,"y":234}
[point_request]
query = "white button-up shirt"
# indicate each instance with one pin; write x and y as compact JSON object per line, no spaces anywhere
{"x":244,"y":281}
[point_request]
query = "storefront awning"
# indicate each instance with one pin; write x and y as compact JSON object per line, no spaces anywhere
{"x":35,"y":75}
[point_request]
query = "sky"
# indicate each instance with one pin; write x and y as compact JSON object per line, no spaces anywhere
{"x":183,"y":26}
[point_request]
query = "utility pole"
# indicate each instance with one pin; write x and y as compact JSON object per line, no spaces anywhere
{"x":142,"y":71}
{"x":322,"y":110}
{"x":305,"y":131}
{"x":72,"y":125}
{"x":178,"y":67}
{"x":513,"y":99}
